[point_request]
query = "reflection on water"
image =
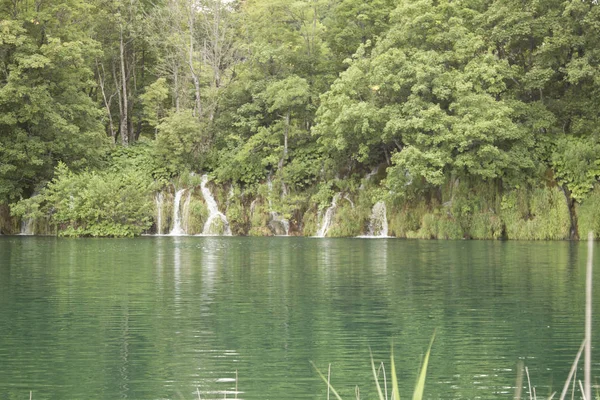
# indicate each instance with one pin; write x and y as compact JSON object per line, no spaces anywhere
{"x":177,"y":271}
{"x":164,"y":317}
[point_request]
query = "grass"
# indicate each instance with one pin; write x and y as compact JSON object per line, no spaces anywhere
{"x":382,"y":393}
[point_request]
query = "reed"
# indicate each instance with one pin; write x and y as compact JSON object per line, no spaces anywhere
{"x":585,"y":386}
{"x":382,"y":390}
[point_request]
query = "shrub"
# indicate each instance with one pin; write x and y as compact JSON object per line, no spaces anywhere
{"x":93,"y":203}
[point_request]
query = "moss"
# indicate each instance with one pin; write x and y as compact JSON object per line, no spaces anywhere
{"x":260,"y":231}
{"x":8,"y":224}
{"x":449,"y":228}
{"x":406,"y":221}
{"x":197,"y":214}
{"x":310,"y":222}
{"x":429,"y":229}
{"x":239,"y":221}
{"x":486,"y":225}
{"x":346,"y":221}
{"x":538,"y":214}
{"x":588,"y":214}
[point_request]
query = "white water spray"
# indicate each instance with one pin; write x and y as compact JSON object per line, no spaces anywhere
{"x":177,"y":230}
{"x":378,"y":225}
{"x":27,"y":227}
{"x":328,"y":216}
{"x":278,"y":225}
{"x":213,"y":212}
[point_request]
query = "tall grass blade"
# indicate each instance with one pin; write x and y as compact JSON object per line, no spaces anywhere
{"x":395,"y":389}
{"x":328,"y":379}
{"x":582,"y":390}
{"x":587,"y":367}
{"x":572,"y":372}
{"x":519,"y":383}
{"x":382,"y":368}
{"x":529,"y":383}
{"x":335,"y":393}
{"x":420,"y":387}
{"x":379,"y":392}
{"x":574,"y":384}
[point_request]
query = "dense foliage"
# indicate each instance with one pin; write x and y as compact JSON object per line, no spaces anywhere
{"x":312,"y":96}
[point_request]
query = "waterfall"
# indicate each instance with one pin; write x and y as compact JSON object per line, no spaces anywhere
{"x":368,"y":177}
{"x":159,"y":210}
{"x":328,"y":215}
{"x":378,"y":226}
{"x":176,"y":231}
{"x":277,"y":224}
{"x":27,"y":227}
{"x":213,"y":212}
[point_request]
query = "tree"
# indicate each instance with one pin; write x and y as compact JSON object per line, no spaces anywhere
{"x":46,"y":112}
{"x":432,"y":91}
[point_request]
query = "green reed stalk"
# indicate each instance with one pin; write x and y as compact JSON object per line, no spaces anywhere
{"x":420,"y":387}
{"x":587,"y":370}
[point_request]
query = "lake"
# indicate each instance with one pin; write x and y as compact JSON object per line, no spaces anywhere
{"x":165,"y":317}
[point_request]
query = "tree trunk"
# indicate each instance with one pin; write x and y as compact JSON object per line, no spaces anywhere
{"x":285,"y":140}
{"x":176,"y":85}
{"x":573,"y":235}
{"x":107,"y":101}
{"x":286,"y":132}
{"x":195,"y":79}
{"x":124,"y":128}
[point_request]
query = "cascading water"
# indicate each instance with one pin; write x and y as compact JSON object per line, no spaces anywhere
{"x":159,"y":210}
{"x":277,"y":224}
{"x":213,"y":213}
{"x":27,"y":227}
{"x":378,"y":226}
{"x":177,"y":230}
{"x":328,"y":216}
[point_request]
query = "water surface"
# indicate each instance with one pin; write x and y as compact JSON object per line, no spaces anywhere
{"x":160,"y":317}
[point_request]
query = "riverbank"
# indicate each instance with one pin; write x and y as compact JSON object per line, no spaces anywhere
{"x":96,"y":204}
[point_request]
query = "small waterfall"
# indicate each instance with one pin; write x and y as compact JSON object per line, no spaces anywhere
{"x":278,"y":225}
{"x":27,"y":227}
{"x":213,"y":212}
{"x":176,"y":231}
{"x":328,"y":216}
{"x":368,"y":177}
{"x":378,"y":225}
{"x":159,"y":210}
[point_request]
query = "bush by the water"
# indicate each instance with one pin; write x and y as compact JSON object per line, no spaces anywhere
{"x":93,"y":203}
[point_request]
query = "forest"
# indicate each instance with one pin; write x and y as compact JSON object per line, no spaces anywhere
{"x":474,"y":119}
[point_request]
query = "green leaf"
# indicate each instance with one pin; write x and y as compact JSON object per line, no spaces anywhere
{"x":420,"y":387}
{"x":337,"y":396}
{"x":379,"y":392}
{"x":395,"y":390}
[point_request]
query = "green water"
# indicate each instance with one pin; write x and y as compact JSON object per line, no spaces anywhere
{"x":159,"y":317}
